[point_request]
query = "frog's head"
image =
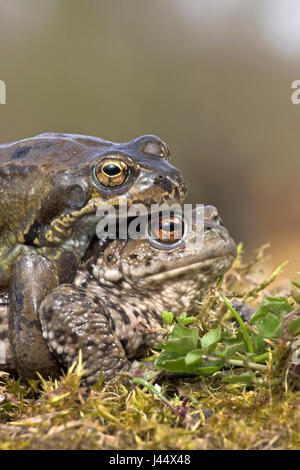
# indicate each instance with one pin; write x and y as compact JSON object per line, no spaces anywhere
{"x":173,"y":271}
{"x":138,"y":172}
{"x":66,"y":178}
{"x":93,"y":172}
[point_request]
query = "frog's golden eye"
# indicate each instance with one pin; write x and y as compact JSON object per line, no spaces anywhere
{"x":111,"y":172}
{"x":169,"y":229}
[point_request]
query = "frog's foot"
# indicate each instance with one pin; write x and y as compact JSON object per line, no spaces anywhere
{"x":73,"y":320}
{"x":33,"y":276}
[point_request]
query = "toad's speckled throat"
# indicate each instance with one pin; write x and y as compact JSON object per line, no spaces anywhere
{"x":118,"y":296}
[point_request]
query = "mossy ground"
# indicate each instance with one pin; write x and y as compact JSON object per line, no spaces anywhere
{"x":67,"y":415}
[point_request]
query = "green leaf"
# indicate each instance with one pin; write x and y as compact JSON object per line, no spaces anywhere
{"x":179,"y":331}
{"x":211,"y":338}
{"x":181,"y":345}
{"x":261,"y":358}
{"x":231,"y":349}
{"x":277,"y":306}
{"x":167,"y":317}
{"x":246,"y":378}
{"x":170,"y":362}
{"x":182,"y":340}
{"x":270,"y":326}
{"x":294,"y":325}
{"x":208,"y":368}
{"x":194,"y":356}
{"x":184,"y":320}
{"x":259,"y":343}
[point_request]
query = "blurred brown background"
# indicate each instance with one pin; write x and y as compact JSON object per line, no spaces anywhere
{"x":213,"y":79}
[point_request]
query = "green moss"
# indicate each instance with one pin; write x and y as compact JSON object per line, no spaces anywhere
{"x":68,"y":416}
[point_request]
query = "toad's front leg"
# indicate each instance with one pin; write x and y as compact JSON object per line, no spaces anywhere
{"x":33,"y":276}
{"x":73,"y":320}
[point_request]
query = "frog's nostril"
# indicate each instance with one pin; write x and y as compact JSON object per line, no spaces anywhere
{"x":172,"y":184}
{"x":164,"y":181}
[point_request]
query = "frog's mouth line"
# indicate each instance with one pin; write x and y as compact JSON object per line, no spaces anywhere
{"x":177,"y":272}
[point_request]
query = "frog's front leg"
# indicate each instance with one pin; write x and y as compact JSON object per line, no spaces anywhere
{"x":73,"y":320}
{"x":33,"y":276}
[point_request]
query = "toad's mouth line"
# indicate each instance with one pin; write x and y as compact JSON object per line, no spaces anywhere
{"x":176,"y":272}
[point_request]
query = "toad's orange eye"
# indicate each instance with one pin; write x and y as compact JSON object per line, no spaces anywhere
{"x":111,"y":172}
{"x":169,"y":229}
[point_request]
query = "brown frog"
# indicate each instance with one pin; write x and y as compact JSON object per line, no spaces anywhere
{"x":51,"y":186}
{"x":113,"y":308}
